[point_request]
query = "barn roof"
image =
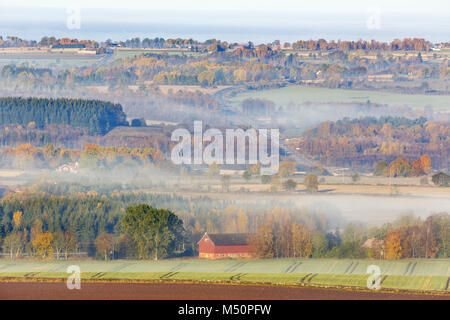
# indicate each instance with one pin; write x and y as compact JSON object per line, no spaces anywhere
{"x":229,"y":239}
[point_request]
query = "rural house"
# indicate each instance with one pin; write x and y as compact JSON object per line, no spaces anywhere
{"x":375,"y":245}
{"x":69,"y":168}
{"x":225,"y":245}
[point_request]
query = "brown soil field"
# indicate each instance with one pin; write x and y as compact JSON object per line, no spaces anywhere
{"x":189,"y":291}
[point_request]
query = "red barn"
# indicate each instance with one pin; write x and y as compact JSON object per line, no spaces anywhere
{"x":225,"y":245}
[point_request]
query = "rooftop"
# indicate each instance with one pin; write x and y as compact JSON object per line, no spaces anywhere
{"x":229,"y":239}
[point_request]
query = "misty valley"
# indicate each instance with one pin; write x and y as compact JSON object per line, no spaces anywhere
{"x":307,"y":159}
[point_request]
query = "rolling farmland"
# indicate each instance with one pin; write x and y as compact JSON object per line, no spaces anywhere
{"x":416,"y":275}
{"x":302,"y":94}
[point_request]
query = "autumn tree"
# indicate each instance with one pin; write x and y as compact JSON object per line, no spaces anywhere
{"x":311,"y":183}
{"x":278,"y":238}
{"x":286,"y":169}
{"x":421,"y":166}
{"x":43,"y":244}
{"x":255,"y":169}
{"x":70,"y":243}
{"x":105,"y":244}
{"x":393,"y":245}
{"x":35,"y":231}
{"x":242,"y":222}
{"x":17,"y":218}
{"x":417,"y":168}
{"x":426,"y":163}
{"x":399,"y":168}
{"x":263,"y":242}
{"x":301,"y":241}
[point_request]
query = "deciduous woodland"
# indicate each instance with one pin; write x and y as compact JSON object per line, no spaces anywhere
{"x":369,"y":140}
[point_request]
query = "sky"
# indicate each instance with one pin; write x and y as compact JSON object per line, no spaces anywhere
{"x":411,"y":6}
{"x":230,"y":20}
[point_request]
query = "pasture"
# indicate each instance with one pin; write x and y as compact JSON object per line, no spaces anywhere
{"x":301,"y":94}
{"x":131,"y":53}
{"x":53,"y":60}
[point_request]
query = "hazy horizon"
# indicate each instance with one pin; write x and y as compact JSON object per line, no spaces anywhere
{"x":259,"y":26}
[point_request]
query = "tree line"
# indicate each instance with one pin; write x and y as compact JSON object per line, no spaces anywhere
{"x":407,"y":237}
{"x":58,"y":220}
{"x":98,"y":116}
{"x":93,"y":156}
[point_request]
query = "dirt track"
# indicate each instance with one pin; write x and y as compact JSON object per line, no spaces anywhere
{"x":172,"y":291}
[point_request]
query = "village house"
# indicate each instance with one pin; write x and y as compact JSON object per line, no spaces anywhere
{"x":69,"y":168}
{"x":376,"y":246}
{"x":225,"y":245}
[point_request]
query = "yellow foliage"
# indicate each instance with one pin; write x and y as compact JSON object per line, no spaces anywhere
{"x":17,"y":217}
{"x":43,"y":244}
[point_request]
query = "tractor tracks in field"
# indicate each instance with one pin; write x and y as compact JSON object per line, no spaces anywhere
{"x":168,"y":275}
{"x":237,"y":276}
{"x":351,"y":268}
{"x":98,"y":275}
{"x":410,"y":268}
{"x":447,"y":284}
{"x":236,"y":266}
{"x":291,"y":268}
{"x":308,"y":278}
{"x":31,"y":274}
{"x":179,"y":266}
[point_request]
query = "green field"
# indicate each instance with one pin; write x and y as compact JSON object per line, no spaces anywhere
{"x":50,"y":60}
{"x":120,"y":54}
{"x":419,"y":275}
{"x":301,"y":94}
